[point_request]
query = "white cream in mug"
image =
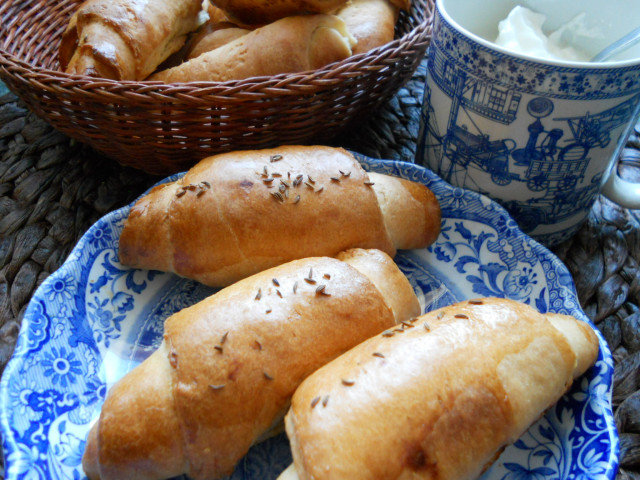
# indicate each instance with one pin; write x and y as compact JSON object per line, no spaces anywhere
{"x":521,"y":32}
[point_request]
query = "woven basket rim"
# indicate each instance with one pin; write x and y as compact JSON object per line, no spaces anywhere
{"x":276,"y":84}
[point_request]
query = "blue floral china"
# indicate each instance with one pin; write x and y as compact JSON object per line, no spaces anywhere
{"x":539,"y":136}
{"x":94,"y":319}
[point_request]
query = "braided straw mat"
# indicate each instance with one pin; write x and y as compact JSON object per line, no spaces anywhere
{"x":52,"y":189}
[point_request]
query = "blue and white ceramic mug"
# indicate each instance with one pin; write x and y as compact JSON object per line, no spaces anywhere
{"x":540,"y":136}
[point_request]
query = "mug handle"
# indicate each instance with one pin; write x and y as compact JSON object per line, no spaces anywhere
{"x":622,"y":192}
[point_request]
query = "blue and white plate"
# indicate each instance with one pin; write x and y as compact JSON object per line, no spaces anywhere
{"x":94,"y":319}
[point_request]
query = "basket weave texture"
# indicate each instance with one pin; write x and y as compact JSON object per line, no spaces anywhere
{"x":164,"y":128}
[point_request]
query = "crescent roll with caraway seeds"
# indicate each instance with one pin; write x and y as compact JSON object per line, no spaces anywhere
{"x":438,"y":398}
{"x":239,"y":213}
{"x":224,"y":374}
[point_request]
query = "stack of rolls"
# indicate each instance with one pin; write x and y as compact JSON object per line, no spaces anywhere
{"x":185,"y":40}
{"x":318,"y":321}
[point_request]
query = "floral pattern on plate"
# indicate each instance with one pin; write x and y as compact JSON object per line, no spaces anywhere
{"x":94,"y":319}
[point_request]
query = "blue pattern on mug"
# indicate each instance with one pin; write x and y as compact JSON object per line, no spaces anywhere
{"x":512,"y":129}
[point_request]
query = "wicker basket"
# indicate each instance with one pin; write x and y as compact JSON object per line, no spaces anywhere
{"x":164,"y":128}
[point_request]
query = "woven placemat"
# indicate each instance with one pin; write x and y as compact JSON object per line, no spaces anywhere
{"x":53,"y":189}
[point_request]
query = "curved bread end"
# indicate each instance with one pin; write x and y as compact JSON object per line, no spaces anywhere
{"x":396,"y":290}
{"x":410,"y":211}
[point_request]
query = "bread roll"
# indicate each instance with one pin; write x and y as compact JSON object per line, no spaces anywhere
{"x":238,"y":213}
{"x":438,"y":399}
{"x":228,"y":365}
{"x":371,"y":22}
{"x":216,"y":15}
{"x":212,"y":36}
{"x":293,"y":44}
{"x":125,"y":39}
{"x":260,"y":12}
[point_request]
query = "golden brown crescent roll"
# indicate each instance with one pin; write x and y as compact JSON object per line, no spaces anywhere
{"x":293,"y":44}
{"x":215,"y":14}
{"x":238,"y":213}
{"x":125,"y":39}
{"x":260,"y":12}
{"x":226,"y":370}
{"x":371,"y":22}
{"x":212,"y":36}
{"x":438,"y":398}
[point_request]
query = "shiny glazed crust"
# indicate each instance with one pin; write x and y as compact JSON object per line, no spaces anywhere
{"x":260,"y":12}
{"x":212,"y":36}
{"x":228,"y":366}
{"x":371,"y":22}
{"x":292,"y":44}
{"x":233,"y":222}
{"x":125,"y":40}
{"x":439,"y":399}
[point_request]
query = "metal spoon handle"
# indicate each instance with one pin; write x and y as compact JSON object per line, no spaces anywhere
{"x":623,"y":43}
